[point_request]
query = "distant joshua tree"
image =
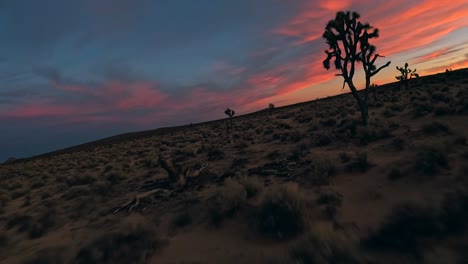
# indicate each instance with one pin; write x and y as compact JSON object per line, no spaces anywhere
{"x":271,"y":107}
{"x":406,"y":74}
{"x":230,"y":113}
{"x":348,"y":41}
{"x":373,"y":88}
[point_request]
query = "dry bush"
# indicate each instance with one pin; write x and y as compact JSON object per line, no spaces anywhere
{"x":132,"y":244}
{"x":435,"y":128}
{"x":48,"y":256}
{"x":320,"y":171}
{"x":358,"y":163}
{"x":371,"y":133}
{"x":82,"y":179}
{"x":403,"y":230}
{"x":252,"y":184}
{"x":325,"y":247}
{"x":422,"y":108}
{"x":280,"y":214}
{"x":331,"y":200}
{"x":429,"y":160}
{"x":227,"y":200}
{"x":181,"y":220}
{"x":398,"y":143}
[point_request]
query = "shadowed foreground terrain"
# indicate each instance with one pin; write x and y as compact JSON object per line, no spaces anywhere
{"x":298,"y":184}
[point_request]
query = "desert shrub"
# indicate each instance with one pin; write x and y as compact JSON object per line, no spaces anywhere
{"x":387,"y":112}
{"x":283,"y":125}
{"x":22,"y":221}
{"x":403,"y":229}
{"x":296,"y":136}
{"x":358,"y":163}
{"x":329,"y":122}
{"x":396,"y":107}
{"x":460,"y":140}
{"x":252,"y":184}
{"x":130,"y":245}
{"x":281,"y":212}
{"x":398,"y":143}
{"x":48,"y":256}
{"x":322,"y":249}
{"x":344,"y":157}
{"x":18,"y":193}
{"x":442,"y":109}
{"x":215,"y":154}
{"x":43,"y":223}
{"x":181,"y":220}
{"x":434,"y":128}
{"x":239,"y":162}
{"x":422,"y":108}
{"x":347,"y":128}
{"x":320,"y":171}
{"x":429,"y":160}
{"x":371,"y":133}
{"x":80,"y":180}
{"x":331,"y":201}
{"x":322,"y":140}
{"x":394,"y":174}
{"x":227,"y":200}
{"x":37,"y":185}
{"x":454,"y":211}
{"x":3,"y":240}
{"x":441,"y":97}
{"x":114,"y":177}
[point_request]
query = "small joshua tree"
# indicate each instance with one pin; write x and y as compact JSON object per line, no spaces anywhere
{"x":271,"y":107}
{"x":373,"y":87}
{"x":406,"y":74}
{"x":230,"y":113}
{"x":348,"y":41}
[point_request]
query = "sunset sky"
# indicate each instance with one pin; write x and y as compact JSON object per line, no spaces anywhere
{"x":75,"y":71}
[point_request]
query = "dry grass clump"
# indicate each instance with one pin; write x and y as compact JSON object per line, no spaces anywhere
{"x":35,"y":226}
{"x":403,"y":230}
{"x":320,"y":171}
{"x":435,"y":128}
{"x":325,"y":246}
{"x":132,"y":244}
{"x":429,"y":160}
{"x":331,"y":201}
{"x":408,"y":226}
{"x":371,"y":133}
{"x":82,"y":179}
{"x":53,"y":255}
{"x":252,"y":184}
{"x":227,"y":200}
{"x":358,"y":163}
{"x":281,"y":213}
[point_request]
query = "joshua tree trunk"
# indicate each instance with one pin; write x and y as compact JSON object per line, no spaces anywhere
{"x":361,"y":103}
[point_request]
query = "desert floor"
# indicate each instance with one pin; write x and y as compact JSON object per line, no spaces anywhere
{"x":304,"y":183}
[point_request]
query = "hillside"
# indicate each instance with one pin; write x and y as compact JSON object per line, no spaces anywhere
{"x":300,"y":184}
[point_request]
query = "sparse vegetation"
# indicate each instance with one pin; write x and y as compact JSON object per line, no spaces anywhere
{"x":406,"y":74}
{"x":281,"y":214}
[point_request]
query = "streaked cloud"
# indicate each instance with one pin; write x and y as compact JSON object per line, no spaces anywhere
{"x":114,"y":66}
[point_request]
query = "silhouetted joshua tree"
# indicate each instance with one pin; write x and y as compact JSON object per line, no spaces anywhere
{"x":373,"y":88}
{"x":271,"y":107}
{"x":406,"y":75}
{"x":348,"y":41}
{"x":230,"y":113}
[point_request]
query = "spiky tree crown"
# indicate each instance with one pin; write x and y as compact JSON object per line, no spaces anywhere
{"x":229,"y":112}
{"x":344,"y":35}
{"x":405,"y":72}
